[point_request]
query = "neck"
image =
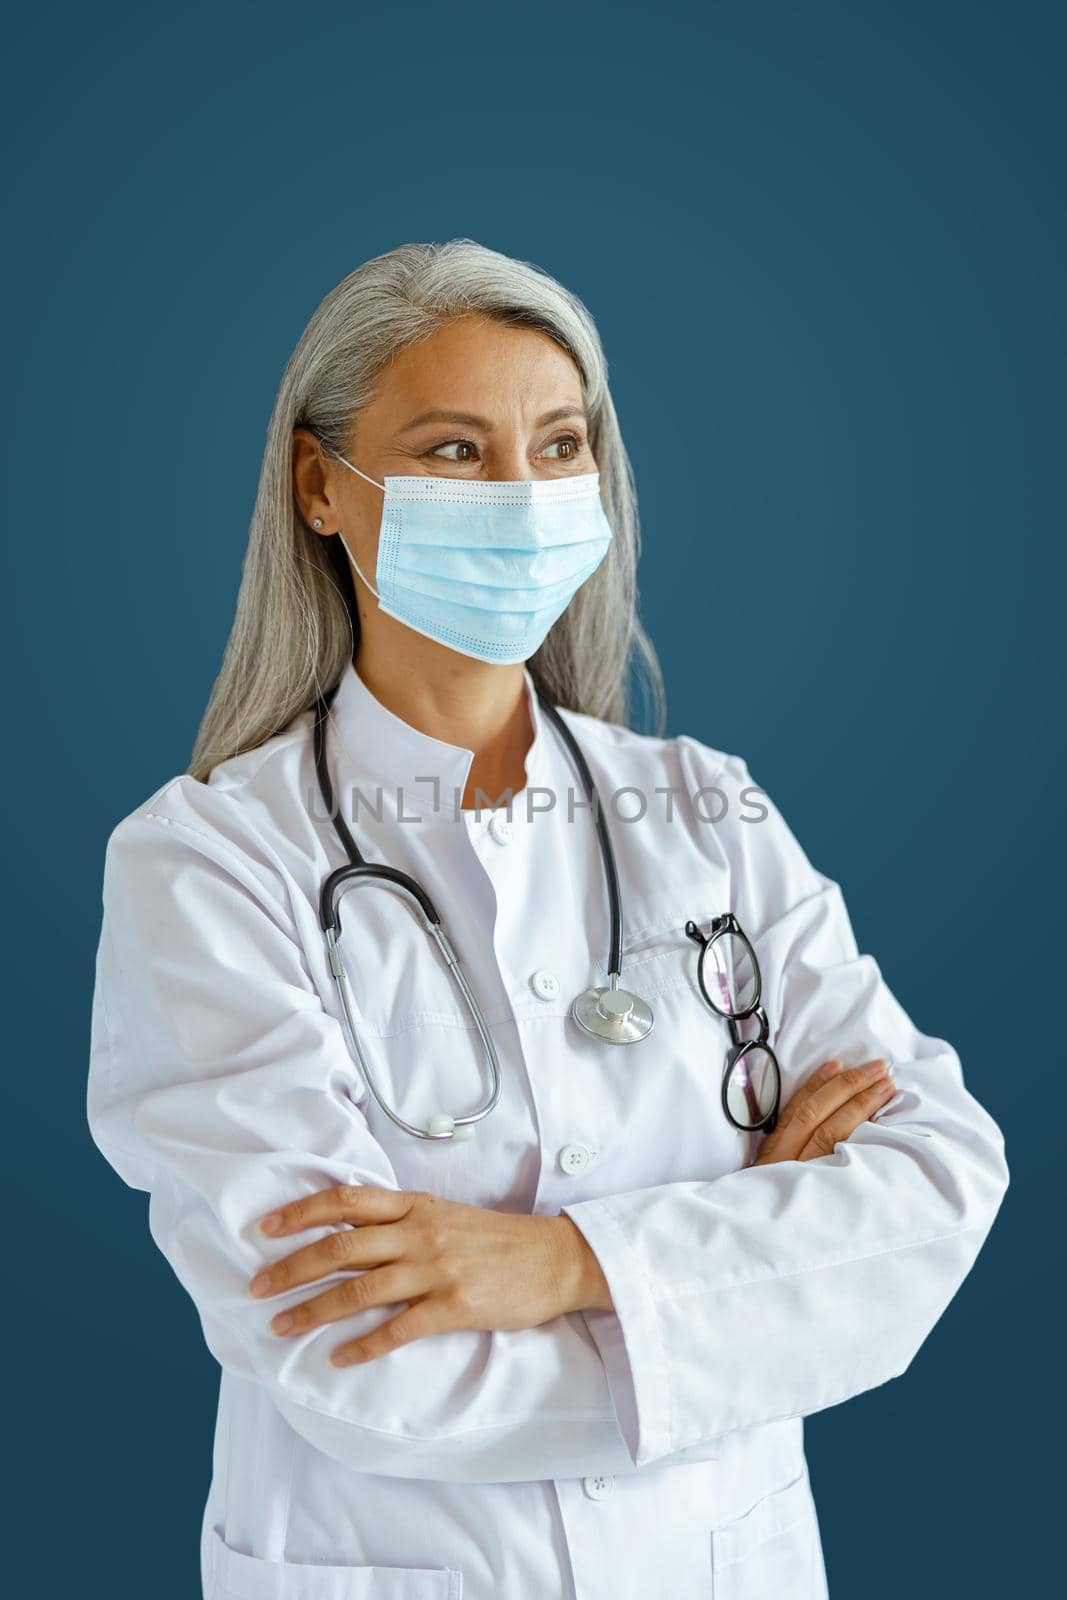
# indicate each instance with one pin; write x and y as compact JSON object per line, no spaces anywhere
{"x":474,"y":704}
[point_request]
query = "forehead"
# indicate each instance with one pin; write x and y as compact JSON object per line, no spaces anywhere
{"x":477,"y":365}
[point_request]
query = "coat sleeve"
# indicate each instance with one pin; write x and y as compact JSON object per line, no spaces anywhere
{"x":219,"y":1084}
{"x":776,"y":1291}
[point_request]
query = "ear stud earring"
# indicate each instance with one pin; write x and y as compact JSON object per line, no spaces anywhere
{"x":318,"y":522}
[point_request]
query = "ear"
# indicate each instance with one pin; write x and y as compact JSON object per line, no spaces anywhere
{"x":311,"y":483}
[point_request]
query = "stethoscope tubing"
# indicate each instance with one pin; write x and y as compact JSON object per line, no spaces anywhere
{"x":358,"y":868}
{"x":611,"y":875}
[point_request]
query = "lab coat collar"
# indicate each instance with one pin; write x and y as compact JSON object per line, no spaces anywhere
{"x":415,"y":770}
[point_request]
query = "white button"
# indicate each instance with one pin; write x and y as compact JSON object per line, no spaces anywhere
{"x":500,"y":828}
{"x":545,"y":984}
{"x":598,"y":1488}
{"x":575,"y":1157}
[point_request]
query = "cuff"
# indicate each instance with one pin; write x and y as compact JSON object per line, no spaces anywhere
{"x":629,"y":1338}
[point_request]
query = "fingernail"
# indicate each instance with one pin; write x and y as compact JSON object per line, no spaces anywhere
{"x":272,"y":1223}
{"x":260,"y":1283}
{"x":283,"y":1323}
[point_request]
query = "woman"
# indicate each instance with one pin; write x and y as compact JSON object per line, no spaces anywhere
{"x":572,"y":1354}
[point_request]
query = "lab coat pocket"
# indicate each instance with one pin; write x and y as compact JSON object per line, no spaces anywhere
{"x":681,"y":1061}
{"x":660,"y":955}
{"x":236,"y":1576}
{"x":773,"y":1549}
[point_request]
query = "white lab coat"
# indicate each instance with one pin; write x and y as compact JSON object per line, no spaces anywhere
{"x":654,"y":1449}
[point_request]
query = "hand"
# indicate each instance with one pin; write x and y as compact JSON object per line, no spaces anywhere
{"x":459,"y":1266}
{"x":828,"y":1106}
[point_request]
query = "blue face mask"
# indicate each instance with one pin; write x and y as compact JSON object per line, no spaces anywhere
{"x":485,"y":567}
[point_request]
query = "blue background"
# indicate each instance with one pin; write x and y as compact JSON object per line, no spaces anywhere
{"x":824,"y":245}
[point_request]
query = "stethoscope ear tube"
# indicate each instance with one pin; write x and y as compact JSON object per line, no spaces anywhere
{"x":441,"y":1125}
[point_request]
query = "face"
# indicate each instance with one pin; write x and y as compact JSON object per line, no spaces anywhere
{"x":513,"y":399}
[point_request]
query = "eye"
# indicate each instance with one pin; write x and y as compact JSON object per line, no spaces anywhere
{"x":570,"y":443}
{"x":463,"y":443}
{"x":573,"y":441}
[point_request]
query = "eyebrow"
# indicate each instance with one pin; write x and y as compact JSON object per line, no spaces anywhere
{"x":472,"y":421}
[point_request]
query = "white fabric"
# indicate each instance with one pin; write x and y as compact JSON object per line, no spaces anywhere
{"x":655,"y":1449}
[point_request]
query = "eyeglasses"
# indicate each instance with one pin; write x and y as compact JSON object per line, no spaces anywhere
{"x":729,"y":978}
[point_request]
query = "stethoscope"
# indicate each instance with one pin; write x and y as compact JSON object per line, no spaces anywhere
{"x":610,"y":1013}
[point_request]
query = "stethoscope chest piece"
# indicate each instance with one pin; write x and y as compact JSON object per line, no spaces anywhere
{"x":613,"y":1014}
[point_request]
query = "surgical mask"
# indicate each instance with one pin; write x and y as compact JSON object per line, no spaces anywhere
{"x":485,"y":567}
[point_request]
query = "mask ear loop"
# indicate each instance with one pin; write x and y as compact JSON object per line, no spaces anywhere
{"x":341,"y":536}
{"x":358,"y":568}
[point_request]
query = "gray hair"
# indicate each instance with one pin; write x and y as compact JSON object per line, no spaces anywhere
{"x":296,"y":626}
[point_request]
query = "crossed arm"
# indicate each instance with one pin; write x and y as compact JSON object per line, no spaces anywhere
{"x":218,"y":1085}
{"x":469,"y":1267}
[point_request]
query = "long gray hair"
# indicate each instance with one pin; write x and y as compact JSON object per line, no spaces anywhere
{"x":296,"y":627}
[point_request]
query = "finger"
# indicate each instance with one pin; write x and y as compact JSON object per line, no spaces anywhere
{"x":845,"y":1122}
{"x":346,"y":1250}
{"x":800,"y":1117}
{"x":824,"y":1098}
{"x":383,"y":1286}
{"x":345,"y":1202}
{"x":430,"y":1315}
{"x":816,"y":1079}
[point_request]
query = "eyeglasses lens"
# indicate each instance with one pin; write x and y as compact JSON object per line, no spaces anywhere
{"x":729,"y":973}
{"x":752,"y":1086}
